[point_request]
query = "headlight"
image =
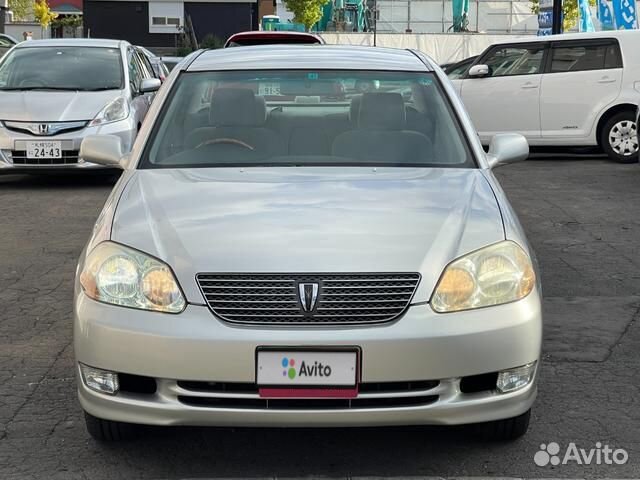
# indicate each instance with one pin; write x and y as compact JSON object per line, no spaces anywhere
{"x":494,"y":275}
{"x":115,"y":111}
{"x":122,"y":276}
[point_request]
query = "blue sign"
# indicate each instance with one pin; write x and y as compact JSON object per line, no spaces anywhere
{"x":605,"y":15}
{"x":545,"y":18}
{"x":625,"y":14}
{"x":586,"y":24}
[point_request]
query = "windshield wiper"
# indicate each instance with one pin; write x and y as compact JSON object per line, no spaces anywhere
{"x":99,"y":89}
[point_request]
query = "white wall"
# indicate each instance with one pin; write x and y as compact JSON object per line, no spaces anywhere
{"x":442,"y":48}
{"x":16,"y":30}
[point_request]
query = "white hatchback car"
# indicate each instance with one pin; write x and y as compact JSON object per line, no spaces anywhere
{"x":566,"y":90}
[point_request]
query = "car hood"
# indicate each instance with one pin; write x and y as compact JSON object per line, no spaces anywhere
{"x":52,"y":106}
{"x":307,"y":220}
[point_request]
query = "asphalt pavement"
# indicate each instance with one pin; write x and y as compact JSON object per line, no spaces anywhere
{"x":582,"y":217}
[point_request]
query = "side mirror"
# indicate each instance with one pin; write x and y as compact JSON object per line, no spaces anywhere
{"x":507,"y":148}
{"x":149,"y":85}
{"x":102,"y":149}
{"x":478,"y":71}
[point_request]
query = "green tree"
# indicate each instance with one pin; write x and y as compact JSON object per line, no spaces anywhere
{"x":307,"y":12}
{"x":570,"y":12}
{"x":22,"y":9}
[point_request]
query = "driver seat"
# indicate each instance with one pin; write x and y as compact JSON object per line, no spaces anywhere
{"x":236,"y":114}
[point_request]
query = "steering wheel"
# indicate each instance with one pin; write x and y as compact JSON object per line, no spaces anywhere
{"x":228,"y":141}
{"x":32,"y":82}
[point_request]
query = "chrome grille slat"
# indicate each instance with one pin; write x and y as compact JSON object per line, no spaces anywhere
{"x":342,"y":298}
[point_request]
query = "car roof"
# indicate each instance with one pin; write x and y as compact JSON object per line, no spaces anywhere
{"x":321,"y":57}
{"x":9,"y":37}
{"x":272,"y":34}
{"x":72,"y":42}
{"x":575,"y":36}
{"x":281,"y":37}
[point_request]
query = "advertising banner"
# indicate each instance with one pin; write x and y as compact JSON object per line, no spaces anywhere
{"x":605,"y":15}
{"x":545,"y":17}
{"x":625,"y":14}
{"x":586,"y":23}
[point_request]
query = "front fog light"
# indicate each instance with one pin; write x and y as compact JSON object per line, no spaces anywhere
{"x":101,"y":381}
{"x":515,"y":378}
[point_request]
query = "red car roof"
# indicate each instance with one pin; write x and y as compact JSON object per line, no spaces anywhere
{"x":266,"y":38}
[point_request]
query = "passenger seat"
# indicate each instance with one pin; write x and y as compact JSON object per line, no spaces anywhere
{"x":381,"y":134}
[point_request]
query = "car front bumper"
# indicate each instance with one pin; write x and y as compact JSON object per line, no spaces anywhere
{"x":196,"y":346}
{"x":12,"y":141}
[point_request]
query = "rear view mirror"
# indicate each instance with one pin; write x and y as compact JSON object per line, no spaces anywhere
{"x":150,"y":85}
{"x":507,"y":148}
{"x":478,"y":71}
{"x":102,"y":149}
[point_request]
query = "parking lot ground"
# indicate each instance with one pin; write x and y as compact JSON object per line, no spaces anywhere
{"x":582,"y":217}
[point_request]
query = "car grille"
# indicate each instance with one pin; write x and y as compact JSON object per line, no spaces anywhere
{"x":345,"y":298}
{"x":68,"y":157}
{"x":246,"y":396}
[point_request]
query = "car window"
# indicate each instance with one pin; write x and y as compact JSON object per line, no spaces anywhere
{"x":135,"y":73}
{"x":149,"y":70}
{"x":67,"y":68}
{"x":300,"y":117}
{"x":459,"y":70}
{"x":514,"y":60}
{"x":576,"y":58}
{"x":5,"y":42}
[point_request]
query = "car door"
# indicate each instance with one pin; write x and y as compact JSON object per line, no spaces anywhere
{"x":508,"y":98}
{"x":584,"y":76}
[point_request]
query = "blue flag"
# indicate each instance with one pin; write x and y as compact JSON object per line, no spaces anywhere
{"x":625,"y":14}
{"x":586,"y":24}
{"x":605,"y":15}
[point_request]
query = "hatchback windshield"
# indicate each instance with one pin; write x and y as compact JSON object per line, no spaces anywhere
{"x":62,"y":68}
{"x":302,"y":117}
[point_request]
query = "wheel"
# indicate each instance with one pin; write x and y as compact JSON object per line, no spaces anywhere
{"x":619,"y":138}
{"x":507,"y":429}
{"x":108,"y":430}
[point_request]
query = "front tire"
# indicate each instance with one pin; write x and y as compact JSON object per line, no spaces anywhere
{"x":619,"y":138}
{"x":507,"y":429}
{"x":108,"y":430}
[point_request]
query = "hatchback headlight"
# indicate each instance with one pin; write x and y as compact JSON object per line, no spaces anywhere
{"x":500,"y":273}
{"x":114,"y":111}
{"x":123,"y":276}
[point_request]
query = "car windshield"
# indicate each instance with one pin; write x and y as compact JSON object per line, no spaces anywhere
{"x":62,"y":68}
{"x":301,"y":117}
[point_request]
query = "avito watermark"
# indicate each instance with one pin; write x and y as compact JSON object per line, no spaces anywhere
{"x":549,"y":454}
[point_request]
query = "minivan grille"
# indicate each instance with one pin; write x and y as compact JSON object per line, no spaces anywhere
{"x":343,"y":298}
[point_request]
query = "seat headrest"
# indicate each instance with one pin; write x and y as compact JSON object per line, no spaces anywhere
{"x":236,"y":107}
{"x":382,"y":111}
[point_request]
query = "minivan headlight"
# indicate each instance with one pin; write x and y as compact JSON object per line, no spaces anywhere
{"x":114,"y":111}
{"x":123,"y":276}
{"x":497,"y":274}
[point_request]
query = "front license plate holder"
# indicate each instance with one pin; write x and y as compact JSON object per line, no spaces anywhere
{"x":308,"y":373}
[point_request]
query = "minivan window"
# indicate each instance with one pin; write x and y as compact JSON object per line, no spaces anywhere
{"x":61,"y":68}
{"x":302,"y":118}
{"x":514,"y":60}
{"x":576,"y":58}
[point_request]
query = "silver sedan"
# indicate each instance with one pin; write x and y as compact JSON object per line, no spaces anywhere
{"x":286,"y":249}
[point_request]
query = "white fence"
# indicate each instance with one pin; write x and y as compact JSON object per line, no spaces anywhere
{"x":442,"y":48}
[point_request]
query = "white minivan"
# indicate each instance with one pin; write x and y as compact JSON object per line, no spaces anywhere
{"x":563,"y":90}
